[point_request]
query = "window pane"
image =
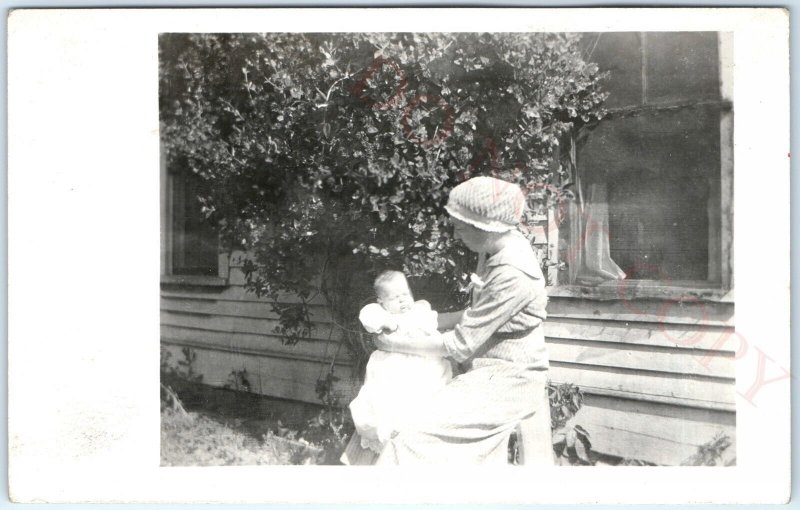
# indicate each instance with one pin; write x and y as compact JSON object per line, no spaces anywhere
{"x":659,"y":170}
{"x":658,"y":230}
{"x":195,"y":242}
{"x":681,"y":66}
{"x":620,"y":54}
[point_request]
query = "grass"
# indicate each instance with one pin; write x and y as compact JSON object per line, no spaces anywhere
{"x":204,"y":426}
{"x":192,"y":439}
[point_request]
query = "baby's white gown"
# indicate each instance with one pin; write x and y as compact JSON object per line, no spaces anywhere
{"x":397,"y":384}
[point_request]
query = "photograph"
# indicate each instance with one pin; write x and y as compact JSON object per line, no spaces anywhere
{"x":371,"y":256}
{"x":473,"y":248}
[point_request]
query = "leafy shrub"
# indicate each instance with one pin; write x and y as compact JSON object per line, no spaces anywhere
{"x":565,"y":400}
{"x":183,"y":369}
{"x":571,"y":443}
{"x":713,"y":453}
{"x":328,"y":158}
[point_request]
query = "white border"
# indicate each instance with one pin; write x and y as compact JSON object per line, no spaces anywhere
{"x":84,"y":266}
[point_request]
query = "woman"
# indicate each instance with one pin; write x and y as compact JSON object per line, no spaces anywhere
{"x":498,"y":338}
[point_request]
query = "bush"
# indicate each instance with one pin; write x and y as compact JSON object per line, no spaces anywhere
{"x":328,"y":158}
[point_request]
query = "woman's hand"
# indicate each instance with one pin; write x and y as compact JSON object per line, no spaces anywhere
{"x":390,"y":325}
{"x":448,"y":320}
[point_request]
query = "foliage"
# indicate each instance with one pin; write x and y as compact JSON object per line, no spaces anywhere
{"x":572,"y":446}
{"x":238,"y":381}
{"x":225,"y":428}
{"x":571,"y":442}
{"x":327,"y":158}
{"x":565,"y":400}
{"x":713,"y":453}
{"x":324,"y":389}
{"x":184,"y":369}
{"x":330,"y":430}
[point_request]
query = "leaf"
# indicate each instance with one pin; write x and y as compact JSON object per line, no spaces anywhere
{"x":571,"y":438}
{"x":582,"y":452}
{"x":371,"y":174}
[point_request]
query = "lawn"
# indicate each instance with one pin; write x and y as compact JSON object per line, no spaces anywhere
{"x":204,"y":426}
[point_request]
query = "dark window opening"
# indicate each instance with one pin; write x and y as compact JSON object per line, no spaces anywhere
{"x":195,"y":242}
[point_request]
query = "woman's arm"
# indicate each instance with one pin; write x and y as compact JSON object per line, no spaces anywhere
{"x":503,"y":297}
{"x":423,"y":345}
{"x":448,"y":320}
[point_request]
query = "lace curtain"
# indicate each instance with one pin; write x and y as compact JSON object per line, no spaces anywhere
{"x":588,"y":253}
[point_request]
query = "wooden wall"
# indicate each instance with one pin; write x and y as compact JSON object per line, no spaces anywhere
{"x":658,"y":375}
{"x":658,"y":379}
{"x":232,"y":330}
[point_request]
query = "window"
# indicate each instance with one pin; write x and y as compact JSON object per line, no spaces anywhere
{"x":190,"y":245}
{"x":655,"y":178}
{"x":194,"y":242}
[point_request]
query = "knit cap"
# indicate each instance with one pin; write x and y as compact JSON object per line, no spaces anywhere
{"x":487,"y":203}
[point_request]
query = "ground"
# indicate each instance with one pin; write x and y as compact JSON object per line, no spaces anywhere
{"x":208,"y":426}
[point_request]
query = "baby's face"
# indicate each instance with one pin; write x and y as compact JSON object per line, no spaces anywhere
{"x":395,"y":297}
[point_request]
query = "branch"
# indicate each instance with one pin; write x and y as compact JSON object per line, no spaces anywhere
{"x":328,"y":95}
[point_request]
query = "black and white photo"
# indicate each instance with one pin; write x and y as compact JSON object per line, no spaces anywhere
{"x":461,"y":256}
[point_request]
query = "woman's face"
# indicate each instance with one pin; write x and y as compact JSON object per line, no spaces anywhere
{"x":472,"y":237}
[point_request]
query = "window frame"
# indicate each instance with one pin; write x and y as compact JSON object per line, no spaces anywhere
{"x":719,"y":286}
{"x":221,"y":279}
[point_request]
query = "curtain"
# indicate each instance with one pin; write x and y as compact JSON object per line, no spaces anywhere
{"x":588,"y":254}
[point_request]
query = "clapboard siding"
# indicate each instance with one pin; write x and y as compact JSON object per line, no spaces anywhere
{"x":295,"y":379}
{"x":234,"y":324}
{"x":657,"y":439}
{"x":655,"y":312}
{"x":230,"y":329}
{"x":230,"y":293}
{"x":656,"y":386}
{"x":662,"y":361}
{"x":262,"y":345}
{"x":233,"y":307}
{"x":715,"y":417}
{"x":640,"y":333}
{"x":658,"y":376}
{"x":652,"y":351}
{"x":642,"y":357}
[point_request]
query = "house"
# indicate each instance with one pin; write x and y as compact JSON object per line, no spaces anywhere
{"x":639,"y":317}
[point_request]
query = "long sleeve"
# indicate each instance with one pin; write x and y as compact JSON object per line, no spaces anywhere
{"x":373,"y":317}
{"x":505,"y":294}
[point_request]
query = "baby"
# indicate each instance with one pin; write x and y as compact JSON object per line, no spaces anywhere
{"x":395,"y":383}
